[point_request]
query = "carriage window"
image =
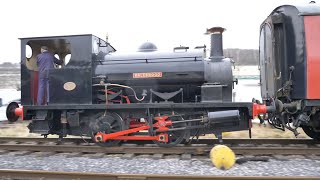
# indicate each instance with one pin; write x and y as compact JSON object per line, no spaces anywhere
{"x":269,"y":61}
{"x":28,"y":52}
{"x":262,"y":62}
{"x":268,"y":48}
{"x":261,"y":48}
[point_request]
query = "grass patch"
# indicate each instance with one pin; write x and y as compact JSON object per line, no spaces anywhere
{"x":18,"y":129}
{"x":264,"y":131}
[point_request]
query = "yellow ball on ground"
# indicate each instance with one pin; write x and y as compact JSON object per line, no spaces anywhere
{"x":222,"y":157}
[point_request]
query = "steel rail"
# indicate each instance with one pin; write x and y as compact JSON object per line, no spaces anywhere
{"x":280,"y":141}
{"x":197,"y":150}
{"x":50,"y":175}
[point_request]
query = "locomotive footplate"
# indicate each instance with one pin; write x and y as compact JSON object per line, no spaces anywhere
{"x":226,"y":105}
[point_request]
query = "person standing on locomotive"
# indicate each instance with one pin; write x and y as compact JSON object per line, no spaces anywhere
{"x":45,"y":61}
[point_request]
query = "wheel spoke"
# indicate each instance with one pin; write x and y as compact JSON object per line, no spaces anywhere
{"x":112,"y":121}
{"x":113,"y":127}
{"x":109,"y":123}
{"x":174,"y":135}
{"x":174,"y":138}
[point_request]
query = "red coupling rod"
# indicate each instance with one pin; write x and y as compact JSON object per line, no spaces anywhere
{"x":160,"y":125}
{"x":160,"y":138}
{"x":102,"y":137}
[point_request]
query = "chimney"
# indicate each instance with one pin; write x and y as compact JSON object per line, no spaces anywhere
{"x":216,"y":51}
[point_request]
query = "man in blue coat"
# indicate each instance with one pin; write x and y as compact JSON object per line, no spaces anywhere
{"x":45,"y":61}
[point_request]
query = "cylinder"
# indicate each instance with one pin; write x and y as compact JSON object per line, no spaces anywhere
{"x":224,"y":116}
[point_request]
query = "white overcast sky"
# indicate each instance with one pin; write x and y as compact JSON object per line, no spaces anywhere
{"x":129,"y":23}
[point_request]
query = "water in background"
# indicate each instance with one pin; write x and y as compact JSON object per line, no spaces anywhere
{"x":248,"y":83}
{"x":246,"y":90}
{"x":7,"y":95}
{"x":246,"y":72}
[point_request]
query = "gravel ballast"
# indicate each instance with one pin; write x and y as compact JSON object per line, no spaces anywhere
{"x":273,"y":167}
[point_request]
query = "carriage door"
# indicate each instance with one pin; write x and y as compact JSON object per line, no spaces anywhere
{"x":266,"y":62}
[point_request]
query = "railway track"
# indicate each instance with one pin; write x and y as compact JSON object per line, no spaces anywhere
{"x":280,"y":141}
{"x":75,"y":147}
{"x":27,"y":174}
{"x":201,"y":147}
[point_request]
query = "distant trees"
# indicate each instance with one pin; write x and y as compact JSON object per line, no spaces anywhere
{"x":243,"y":57}
{"x":12,"y":75}
{"x":8,"y":64}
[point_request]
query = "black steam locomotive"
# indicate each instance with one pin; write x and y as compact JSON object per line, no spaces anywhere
{"x":170,"y":97}
{"x":148,"y":95}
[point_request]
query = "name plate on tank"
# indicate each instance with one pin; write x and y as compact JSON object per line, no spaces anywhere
{"x":147,"y":75}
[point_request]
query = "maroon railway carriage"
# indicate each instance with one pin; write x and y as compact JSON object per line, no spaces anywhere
{"x":290,"y":67}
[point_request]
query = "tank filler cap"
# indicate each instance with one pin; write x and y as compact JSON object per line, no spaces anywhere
{"x":215,"y":30}
{"x":147,"y":47}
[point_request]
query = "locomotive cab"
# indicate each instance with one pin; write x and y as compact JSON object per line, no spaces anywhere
{"x":74,"y":51}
